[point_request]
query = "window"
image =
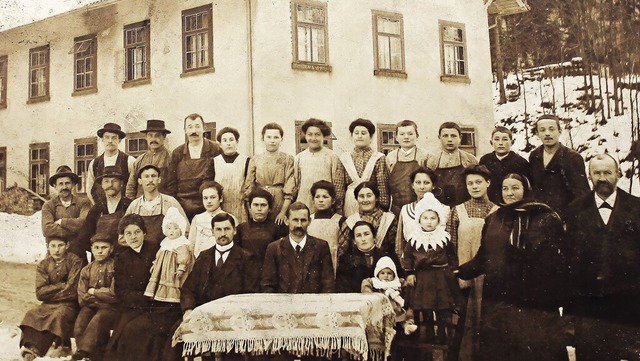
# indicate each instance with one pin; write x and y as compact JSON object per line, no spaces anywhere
{"x":86,"y":60}
{"x":209,"y":130}
{"x":3,"y":81}
{"x":310,"y":50}
{"x":388,"y":44}
{"x":39,"y":74}
{"x":468,"y":139}
{"x":387,"y":138}
{"x":453,"y":52}
{"x":301,"y":143}
{"x":3,"y":168}
{"x":136,"y":143}
{"x":197,"y":40}
{"x":85,"y":152}
{"x":39,"y":168}
{"x":136,"y":53}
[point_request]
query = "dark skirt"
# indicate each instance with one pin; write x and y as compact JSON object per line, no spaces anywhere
{"x":57,"y":318}
{"x":435,"y":289}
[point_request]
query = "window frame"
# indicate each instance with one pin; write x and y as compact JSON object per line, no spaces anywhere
{"x":40,"y":162}
{"x":472,"y":131}
{"x":4,"y":78}
{"x":385,"y":147}
{"x":378,"y":70}
{"x":140,"y":138}
{"x":3,"y":168}
{"x":301,"y":143}
{"x":209,"y":68}
{"x":209,"y":131}
{"x":445,"y":77}
{"x":85,"y":159}
{"x":93,"y":88}
{"x":322,"y":66}
{"x":145,"y":45}
{"x":47,"y":69}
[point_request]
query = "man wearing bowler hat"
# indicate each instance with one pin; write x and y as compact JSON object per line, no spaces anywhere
{"x":157,"y":154}
{"x":110,"y":135}
{"x":63,"y":214}
{"x":103,"y":217}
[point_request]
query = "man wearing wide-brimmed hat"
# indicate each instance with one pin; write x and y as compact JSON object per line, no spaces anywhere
{"x":63,"y":214}
{"x":111,"y":135}
{"x":157,"y":154}
{"x":105,"y":214}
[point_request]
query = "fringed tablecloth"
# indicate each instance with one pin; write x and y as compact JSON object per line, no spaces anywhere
{"x":302,"y":324}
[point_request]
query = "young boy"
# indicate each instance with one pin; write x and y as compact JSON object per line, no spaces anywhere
{"x":318,"y":163}
{"x":325,"y":222}
{"x":273,"y":171}
{"x":502,"y":161}
{"x":56,"y":286}
{"x":97,"y":297}
{"x":200,"y":234}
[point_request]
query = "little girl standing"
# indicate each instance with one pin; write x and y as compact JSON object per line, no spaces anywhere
{"x":426,"y":261}
{"x":174,"y":260}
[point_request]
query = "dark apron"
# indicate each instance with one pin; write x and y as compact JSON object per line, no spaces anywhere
{"x":452,"y":183}
{"x":399,"y":183}
{"x":153,"y":224}
{"x":191,"y":174}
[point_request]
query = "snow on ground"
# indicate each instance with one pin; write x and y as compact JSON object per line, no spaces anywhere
{"x":21,"y":239}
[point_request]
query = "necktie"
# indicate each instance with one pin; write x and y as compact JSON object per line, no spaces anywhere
{"x":298,"y":250}
{"x":220,"y":259}
{"x":606,"y":205}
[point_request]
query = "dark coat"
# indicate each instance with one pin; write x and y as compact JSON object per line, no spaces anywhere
{"x":606,"y":258}
{"x":562,"y":181}
{"x":353,"y":268}
{"x":512,"y":163}
{"x":313,"y":273}
{"x":239,"y":274}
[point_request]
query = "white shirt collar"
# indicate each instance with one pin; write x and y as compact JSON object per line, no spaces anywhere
{"x":195,"y":151}
{"x":225,"y":248}
{"x":301,"y":243}
{"x":501,"y":157}
{"x":611,"y":199}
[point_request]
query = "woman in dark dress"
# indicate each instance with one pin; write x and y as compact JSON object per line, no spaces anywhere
{"x":522,"y":255}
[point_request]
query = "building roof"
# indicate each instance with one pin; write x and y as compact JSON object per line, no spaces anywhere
{"x":506,"y":7}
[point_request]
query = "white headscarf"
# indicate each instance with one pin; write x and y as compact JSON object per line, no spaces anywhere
{"x":439,"y":237}
{"x":385,"y":262}
{"x":174,"y":216}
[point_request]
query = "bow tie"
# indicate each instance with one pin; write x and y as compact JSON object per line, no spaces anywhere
{"x":605,"y":205}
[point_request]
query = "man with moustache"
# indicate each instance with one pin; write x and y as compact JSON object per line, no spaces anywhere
{"x":103,"y":216}
{"x":604,"y":226}
{"x":63,"y":215}
{"x":111,"y":135}
{"x":298,"y":263}
{"x":191,"y":164}
{"x":558,"y":176}
{"x":153,"y":205}
{"x":156,"y":154}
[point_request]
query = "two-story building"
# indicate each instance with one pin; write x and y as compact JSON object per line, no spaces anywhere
{"x":239,"y":63}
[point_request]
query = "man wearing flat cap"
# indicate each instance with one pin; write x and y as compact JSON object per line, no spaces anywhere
{"x":103,"y":216}
{"x":157,"y":154}
{"x":63,"y":214}
{"x":110,"y":135}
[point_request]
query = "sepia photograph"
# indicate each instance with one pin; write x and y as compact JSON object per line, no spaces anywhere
{"x":308,"y":180}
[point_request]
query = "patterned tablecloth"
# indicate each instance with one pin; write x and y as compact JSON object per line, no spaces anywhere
{"x":302,"y":324}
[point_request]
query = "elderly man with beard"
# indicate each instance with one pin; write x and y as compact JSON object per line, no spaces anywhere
{"x":191,"y":164}
{"x":604,"y":226}
{"x":557,"y":173}
{"x":103,"y":216}
{"x":298,"y":263}
{"x":157,"y":154}
{"x":63,"y":215}
{"x":153,"y":205}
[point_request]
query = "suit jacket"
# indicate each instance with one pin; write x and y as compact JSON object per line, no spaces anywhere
{"x":238,"y":274}
{"x":283,"y":273}
{"x":512,"y":163}
{"x":606,"y":259}
{"x":562,"y":181}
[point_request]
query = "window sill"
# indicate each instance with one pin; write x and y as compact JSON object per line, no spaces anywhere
{"x":197,"y":72}
{"x":38,"y":99}
{"x":84,"y":92}
{"x":325,"y":68}
{"x":390,"y":73}
{"x":455,"y":79}
{"x":134,"y":83}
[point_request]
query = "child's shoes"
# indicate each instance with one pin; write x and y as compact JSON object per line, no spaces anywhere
{"x":409,"y":328}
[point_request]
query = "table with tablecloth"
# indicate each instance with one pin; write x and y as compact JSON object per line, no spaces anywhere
{"x":361,"y":324}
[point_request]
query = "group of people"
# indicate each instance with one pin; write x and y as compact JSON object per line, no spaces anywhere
{"x":524,"y":250}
